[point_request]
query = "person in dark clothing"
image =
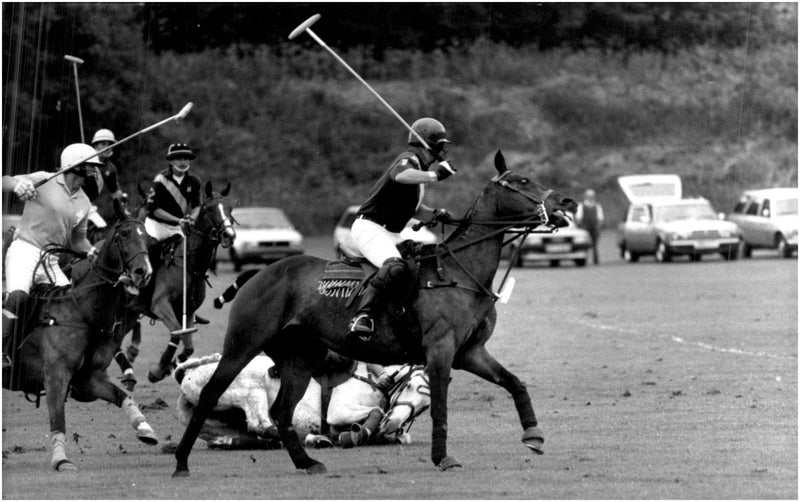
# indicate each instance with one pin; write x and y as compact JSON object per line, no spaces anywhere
{"x":590,"y":217}
{"x":394,"y":199}
{"x":103,"y":188}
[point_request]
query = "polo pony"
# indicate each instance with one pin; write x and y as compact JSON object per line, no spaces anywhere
{"x":70,"y":333}
{"x":283,"y":312}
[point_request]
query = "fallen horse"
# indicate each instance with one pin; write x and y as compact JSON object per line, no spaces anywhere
{"x":344,"y":407}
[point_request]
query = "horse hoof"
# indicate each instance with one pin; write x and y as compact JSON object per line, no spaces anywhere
{"x":157,"y":373}
{"x":147,"y":437}
{"x":448,"y":464}
{"x":181,"y":473}
{"x":533,"y":439}
{"x":129,"y":383}
{"x":65,"y":465}
{"x":317,"y":468}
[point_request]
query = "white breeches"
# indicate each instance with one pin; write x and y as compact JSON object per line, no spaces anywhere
{"x":160,"y":231}
{"x":374,"y":242}
{"x":21,"y":270}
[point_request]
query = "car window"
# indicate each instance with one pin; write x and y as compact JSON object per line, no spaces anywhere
{"x":699,"y":210}
{"x":262,"y":219}
{"x":640,"y":214}
{"x":739,"y":207}
{"x":752,"y":209}
{"x":785,"y":207}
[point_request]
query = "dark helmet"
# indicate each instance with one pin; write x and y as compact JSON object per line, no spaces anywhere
{"x":431,"y":130}
{"x":180,"y":151}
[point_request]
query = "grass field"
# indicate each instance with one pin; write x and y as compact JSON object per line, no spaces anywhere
{"x":667,"y":381}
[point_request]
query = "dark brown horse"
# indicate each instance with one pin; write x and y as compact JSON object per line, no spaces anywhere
{"x":70,"y":337}
{"x":163,"y":298}
{"x":280,"y":312}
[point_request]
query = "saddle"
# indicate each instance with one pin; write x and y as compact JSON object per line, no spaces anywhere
{"x":163,"y":251}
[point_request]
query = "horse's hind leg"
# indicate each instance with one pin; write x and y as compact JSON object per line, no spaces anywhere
{"x":478,"y":361}
{"x":295,"y":373}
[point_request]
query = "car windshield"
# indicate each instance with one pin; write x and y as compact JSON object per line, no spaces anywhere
{"x":684,"y":212}
{"x":261,"y":218}
{"x":786,"y":207}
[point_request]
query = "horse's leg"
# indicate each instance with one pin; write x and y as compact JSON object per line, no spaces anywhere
{"x":439,"y":357}
{"x":162,"y":308}
{"x":295,"y":373}
{"x":188,"y":347}
{"x":100,"y":386}
{"x":132,"y":351}
{"x":478,"y":361}
{"x":128,"y":377}
{"x":59,"y":364}
{"x":232,"y":363}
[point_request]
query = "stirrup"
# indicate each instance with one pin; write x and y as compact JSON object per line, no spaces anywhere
{"x":361,"y":326}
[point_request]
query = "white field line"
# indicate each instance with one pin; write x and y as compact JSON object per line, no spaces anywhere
{"x":677,"y":339}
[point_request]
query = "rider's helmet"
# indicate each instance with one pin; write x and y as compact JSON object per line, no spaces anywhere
{"x":431,"y":130}
{"x":103,"y":135}
{"x":180,"y":151}
{"x":78,"y":153}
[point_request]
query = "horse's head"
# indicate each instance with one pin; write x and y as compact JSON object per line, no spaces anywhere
{"x":215,"y":219}
{"x":525,"y":199}
{"x":410,"y":397}
{"x":125,"y":251}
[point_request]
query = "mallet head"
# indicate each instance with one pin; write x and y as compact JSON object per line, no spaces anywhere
{"x":304,"y":26}
{"x":73,"y":59}
{"x":184,"y":111}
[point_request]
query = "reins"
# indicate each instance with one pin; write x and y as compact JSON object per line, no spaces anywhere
{"x":538,"y":219}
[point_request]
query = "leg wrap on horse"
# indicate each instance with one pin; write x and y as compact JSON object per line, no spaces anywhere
{"x":59,"y":459}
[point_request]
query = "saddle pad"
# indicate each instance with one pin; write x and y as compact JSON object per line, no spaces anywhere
{"x":340,"y":279}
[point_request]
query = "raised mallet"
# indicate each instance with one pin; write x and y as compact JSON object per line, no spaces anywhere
{"x":177,"y":117}
{"x":305,"y":26}
{"x":75,"y":62}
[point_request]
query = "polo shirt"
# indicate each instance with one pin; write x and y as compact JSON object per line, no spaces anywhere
{"x":392,"y":204}
{"x":178,"y":199}
{"x":55,"y":215}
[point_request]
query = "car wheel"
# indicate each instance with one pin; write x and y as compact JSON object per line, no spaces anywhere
{"x":581,"y":262}
{"x":696,"y":257}
{"x":555,"y":263}
{"x":732,"y":254}
{"x":629,"y":256}
{"x":745,"y":250}
{"x":662,"y":253}
{"x":782,"y":246}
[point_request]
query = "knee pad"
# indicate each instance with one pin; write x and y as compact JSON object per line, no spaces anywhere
{"x":393,"y":271}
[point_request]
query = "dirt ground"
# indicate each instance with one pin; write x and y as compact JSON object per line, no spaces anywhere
{"x":650,"y":381}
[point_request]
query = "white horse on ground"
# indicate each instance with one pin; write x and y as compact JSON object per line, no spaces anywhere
{"x":357,"y":411}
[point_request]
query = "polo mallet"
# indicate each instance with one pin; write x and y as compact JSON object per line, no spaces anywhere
{"x":75,"y":62}
{"x":184,"y":330}
{"x":305,"y":26}
{"x":177,"y":117}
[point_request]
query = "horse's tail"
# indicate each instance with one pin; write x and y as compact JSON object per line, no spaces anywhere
{"x":230,"y":292}
{"x":194,"y":362}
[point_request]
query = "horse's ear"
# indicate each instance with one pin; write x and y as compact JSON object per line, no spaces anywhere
{"x":500,"y":162}
{"x":226,"y":190}
{"x":208,"y":189}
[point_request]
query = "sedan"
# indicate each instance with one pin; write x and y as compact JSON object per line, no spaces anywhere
{"x":564,"y":244}
{"x":263,"y":234}
{"x":768,"y":219}
{"x":666,"y":228}
{"x":343,"y":242}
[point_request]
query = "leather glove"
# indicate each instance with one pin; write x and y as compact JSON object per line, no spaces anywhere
{"x":384,"y":383}
{"x":25,"y":190}
{"x":442,"y":214}
{"x":186,"y":225}
{"x":444,"y":170}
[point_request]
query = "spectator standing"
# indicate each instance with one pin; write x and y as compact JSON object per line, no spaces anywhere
{"x":590,"y":217}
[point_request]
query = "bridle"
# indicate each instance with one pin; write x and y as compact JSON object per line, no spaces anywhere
{"x":212,"y":234}
{"x":400,"y":386}
{"x":528,"y":224}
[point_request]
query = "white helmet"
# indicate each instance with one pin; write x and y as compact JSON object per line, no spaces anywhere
{"x":77,"y":153}
{"x":103,"y":135}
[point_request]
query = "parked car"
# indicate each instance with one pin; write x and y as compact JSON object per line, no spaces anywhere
{"x":768,"y":218}
{"x":566,"y":243}
{"x":343,"y":242}
{"x":263,"y":234}
{"x":660,"y":222}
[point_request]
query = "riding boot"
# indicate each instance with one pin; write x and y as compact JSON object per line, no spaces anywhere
{"x":360,"y":434}
{"x":12,"y":311}
{"x":393,"y":276}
